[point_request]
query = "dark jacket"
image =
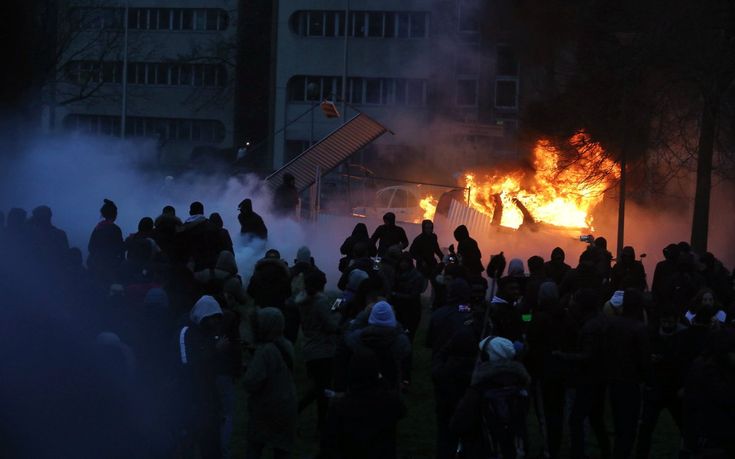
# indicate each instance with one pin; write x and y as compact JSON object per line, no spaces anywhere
{"x":106,"y":249}
{"x":507,"y":320}
{"x":319,"y":326}
{"x":387,"y":236}
{"x":359,"y":235}
{"x":550,"y":330}
{"x":425,"y":250}
{"x":627,"y":351}
{"x":468,"y":251}
{"x":390,"y":345}
{"x":364,"y":264}
{"x":252,"y":224}
{"x":164,"y":233}
{"x":270,"y":284}
{"x":588,"y":356}
{"x":198,"y":241}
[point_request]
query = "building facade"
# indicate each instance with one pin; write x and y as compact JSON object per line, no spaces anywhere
{"x":177,"y":57}
{"x":423,"y":68}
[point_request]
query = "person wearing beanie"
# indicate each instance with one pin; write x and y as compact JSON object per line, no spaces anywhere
{"x":497,"y":371}
{"x":251,"y":224}
{"x":106,"y":246}
{"x":268,"y":381}
{"x":363,"y":424}
{"x":382,"y":335}
{"x":304,"y":263}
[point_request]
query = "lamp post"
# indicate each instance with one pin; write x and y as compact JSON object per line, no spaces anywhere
{"x":124,"y":108}
{"x":625,"y":39}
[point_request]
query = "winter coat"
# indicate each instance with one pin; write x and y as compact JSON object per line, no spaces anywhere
{"x":272,"y":403}
{"x":213,"y":280}
{"x":165,"y":233}
{"x":445,"y":323}
{"x":363,"y":264}
{"x":507,"y":320}
{"x":468,"y":251}
{"x":252,"y":224}
{"x":627,"y":350}
{"x":556,"y":270}
{"x":588,"y":357}
{"x":348,"y":246}
{"x":270,"y":284}
{"x":550,"y":330}
{"x":106,"y":249}
{"x":390,"y":345}
{"x":583,"y":276}
{"x":425,"y":250}
{"x":198,"y":241}
{"x":387,"y":236}
{"x":407,"y":290}
{"x":319,"y":327}
{"x":363,"y":424}
{"x":628,"y":275}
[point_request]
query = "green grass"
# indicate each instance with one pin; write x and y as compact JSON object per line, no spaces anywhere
{"x":416,"y":435}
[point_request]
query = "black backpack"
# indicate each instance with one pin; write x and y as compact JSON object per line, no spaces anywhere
{"x":504,"y":412}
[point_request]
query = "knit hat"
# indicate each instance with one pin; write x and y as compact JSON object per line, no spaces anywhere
{"x":303,"y":255}
{"x":382,"y":315}
{"x":617,"y":299}
{"x":355,"y":278}
{"x":205,"y":307}
{"x":498,"y":349}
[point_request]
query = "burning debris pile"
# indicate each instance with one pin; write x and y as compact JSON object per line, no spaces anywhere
{"x":562,"y":190}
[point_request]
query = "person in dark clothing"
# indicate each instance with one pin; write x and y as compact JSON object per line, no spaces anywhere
{"x":717,"y":278}
{"x":49,"y":242}
{"x":198,"y":239}
{"x":363,"y":423}
{"x":222,"y":236}
{"x":142,"y":237}
{"x":251,"y":224}
{"x":105,"y":246}
{"x":504,"y":311}
{"x":199,"y":343}
{"x":165,"y":229}
{"x":347,"y":249}
{"x":709,"y":400}
{"x":468,"y":251}
{"x":663,"y":386}
{"x":550,"y":331}
{"x":585,"y":275}
{"x":270,"y":285}
{"x":425,"y":250}
{"x":627,"y":357}
{"x":497,"y":373}
{"x":536,"y":277}
{"x":602,"y":257}
{"x":685,"y":283}
{"x":590,"y":377}
{"x":304,"y":263}
{"x":662,"y":276}
{"x":453,"y":342}
{"x":388,"y":235}
{"x":286,"y":197}
{"x":319,"y":328}
{"x":384,"y":336}
{"x":406,"y":299}
{"x":628,"y":272}
{"x":555,"y":268}
{"x":360,"y":261}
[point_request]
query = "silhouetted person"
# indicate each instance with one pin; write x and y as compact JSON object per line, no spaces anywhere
{"x":388,"y":235}
{"x":198,"y":239}
{"x":270,"y":285}
{"x":286,"y":197}
{"x":347,"y":249}
{"x":628,"y":272}
{"x":425,"y":250}
{"x":106,"y":245}
{"x":50,"y":243}
{"x":145,"y":232}
{"x":223,"y":239}
{"x":468,"y":251}
{"x":165,"y":229}
{"x":555,"y":268}
{"x":251,"y":224}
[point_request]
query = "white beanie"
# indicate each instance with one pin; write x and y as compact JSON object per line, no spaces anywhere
{"x":205,"y":307}
{"x":498,"y":348}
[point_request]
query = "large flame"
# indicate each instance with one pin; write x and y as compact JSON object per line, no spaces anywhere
{"x":559,"y":193}
{"x":428,"y":204}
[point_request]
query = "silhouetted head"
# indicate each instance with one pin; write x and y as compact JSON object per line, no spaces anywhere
{"x":216,"y":219}
{"x":627,"y":256}
{"x":360,"y":230}
{"x":246,"y":206}
{"x":109,"y":210}
{"x":427,"y":227}
{"x":671,"y":252}
{"x":389,"y":218}
{"x":536,"y":265}
{"x":169,"y":210}
{"x":41,"y":216}
{"x":558,"y":254}
{"x":196,"y":208}
{"x":601,"y":242}
{"x":684,"y":247}
{"x":145,"y":225}
{"x":461,"y":233}
{"x":273,"y":254}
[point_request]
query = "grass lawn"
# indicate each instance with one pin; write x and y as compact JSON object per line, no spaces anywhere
{"x":417,"y":429}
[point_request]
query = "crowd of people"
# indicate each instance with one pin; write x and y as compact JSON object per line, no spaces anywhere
{"x":176,"y":329}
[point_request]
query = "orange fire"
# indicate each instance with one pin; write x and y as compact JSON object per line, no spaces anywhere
{"x":560,"y":192}
{"x":428,"y":204}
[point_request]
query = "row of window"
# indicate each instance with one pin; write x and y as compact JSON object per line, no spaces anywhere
{"x":173,"y":19}
{"x":368,"y":91}
{"x":506,"y":92}
{"x":376,"y":24}
{"x":195,"y":130}
{"x":161,"y":73}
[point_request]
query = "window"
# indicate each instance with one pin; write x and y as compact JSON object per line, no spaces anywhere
{"x":467,"y":92}
{"x":383,"y":199}
{"x":506,"y":61}
{"x":166,"y":128}
{"x":373,"y":24}
{"x":400,"y":199}
{"x":159,"y":73}
{"x":355,"y":90}
{"x":372,"y":91}
{"x":506,"y":93}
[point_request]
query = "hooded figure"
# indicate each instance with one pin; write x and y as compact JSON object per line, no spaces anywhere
{"x":251,"y":224}
{"x":272,"y":403}
{"x":497,"y":377}
{"x":628,"y":272}
{"x":106,"y":245}
{"x":555,"y":268}
{"x":468,"y":251}
{"x":286,"y":197}
{"x":222,"y":236}
{"x":425,"y":250}
{"x":389,"y":235}
{"x":407,"y":289}
{"x":359,"y":236}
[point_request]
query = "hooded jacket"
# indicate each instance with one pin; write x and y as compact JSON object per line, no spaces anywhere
{"x":272,"y":402}
{"x":270,"y":284}
{"x":251,"y":224}
{"x":319,"y":327}
{"x":388,"y":235}
{"x":468,"y":251}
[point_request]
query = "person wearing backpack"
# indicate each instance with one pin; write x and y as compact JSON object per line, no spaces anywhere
{"x":272,"y":402}
{"x":491,"y":415}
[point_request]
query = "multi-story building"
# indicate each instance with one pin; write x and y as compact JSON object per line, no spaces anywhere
{"x":426,"y":69}
{"x":176,"y":55}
